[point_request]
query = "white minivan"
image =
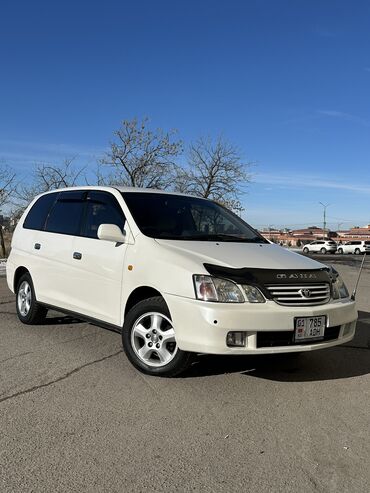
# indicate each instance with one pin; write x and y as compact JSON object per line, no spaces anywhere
{"x":175,"y":274}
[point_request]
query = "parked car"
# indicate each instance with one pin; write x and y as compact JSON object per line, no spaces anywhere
{"x":320,"y":246}
{"x":355,"y":246}
{"x":175,"y":274}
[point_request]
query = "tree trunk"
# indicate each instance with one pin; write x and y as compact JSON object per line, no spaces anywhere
{"x":2,"y":241}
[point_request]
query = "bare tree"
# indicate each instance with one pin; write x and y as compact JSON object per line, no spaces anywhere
{"x":7,"y":184}
{"x":140,"y":157}
{"x":7,"y":187}
{"x":216,"y":171}
{"x":49,"y":177}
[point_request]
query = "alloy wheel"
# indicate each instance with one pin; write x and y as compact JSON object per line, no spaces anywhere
{"x":24,"y":298}
{"x":153,"y":339}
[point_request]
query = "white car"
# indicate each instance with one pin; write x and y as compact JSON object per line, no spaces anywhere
{"x":175,"y":274}
{"x":320,"y":246}
{"x":356,"y":246}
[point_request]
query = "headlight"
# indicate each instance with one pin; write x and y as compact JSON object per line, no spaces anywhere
{"x":253,"y":294}
{"x":208,"y":288}
{"x":339,"y":289}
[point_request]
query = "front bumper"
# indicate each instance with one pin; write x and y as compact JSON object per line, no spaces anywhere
{"x":202,"y":327}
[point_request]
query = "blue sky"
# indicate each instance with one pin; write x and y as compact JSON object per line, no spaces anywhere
{"x":286,"y":81}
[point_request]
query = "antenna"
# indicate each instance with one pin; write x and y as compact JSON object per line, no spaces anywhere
{"x":353,"y":297}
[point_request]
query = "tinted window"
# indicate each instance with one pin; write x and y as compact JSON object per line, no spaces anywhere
{"x":102,"y":208}
{"x":39,"y":211}
{"x":176,"y":217}
{"x":356,"y":242}
{"x":367,"y":242}
{"x":65,"y":217}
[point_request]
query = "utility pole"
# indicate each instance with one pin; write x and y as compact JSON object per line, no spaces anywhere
{"x":325,"y":206}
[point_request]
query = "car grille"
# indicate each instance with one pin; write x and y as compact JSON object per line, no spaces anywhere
{"x":302,"y":295}
{"x":285,"y":338}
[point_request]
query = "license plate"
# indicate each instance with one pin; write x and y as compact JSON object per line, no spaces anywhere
{"x":309,"y":328}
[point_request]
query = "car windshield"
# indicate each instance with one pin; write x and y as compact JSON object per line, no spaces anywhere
{"x":177,"y":217}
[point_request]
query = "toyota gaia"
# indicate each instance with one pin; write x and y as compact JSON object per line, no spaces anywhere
{"x":175,"y":274}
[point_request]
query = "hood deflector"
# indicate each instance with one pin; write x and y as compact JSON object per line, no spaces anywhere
{"x":266,"y":277}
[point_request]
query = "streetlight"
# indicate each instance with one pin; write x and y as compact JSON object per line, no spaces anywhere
{"x":325,"y":207}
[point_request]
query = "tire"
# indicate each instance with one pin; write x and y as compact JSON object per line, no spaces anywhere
{"x":148,"y":327}
{"x":357,"y":251}
{"x":306,"y":250}
{"x":29,"y":311}
{"x":340,"y":251}
{"x":323,"y":251}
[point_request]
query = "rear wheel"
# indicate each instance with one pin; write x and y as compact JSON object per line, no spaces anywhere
{"x":340,"y":250}
{"x":148,"y":339}
{"x":323,"y":251}
{"x":306,"y":250}
{"x":29,"y":311}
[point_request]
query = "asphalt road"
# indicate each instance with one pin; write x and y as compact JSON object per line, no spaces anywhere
{"x":75,"y":416}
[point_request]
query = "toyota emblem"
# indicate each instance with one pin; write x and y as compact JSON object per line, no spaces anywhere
{"x":305,"y":293}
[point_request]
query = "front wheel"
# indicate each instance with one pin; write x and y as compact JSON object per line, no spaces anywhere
{"x":340,"y":251}
{"x":29,"y":311}
{"x":357,"y":251}
{"x":148,"y":339}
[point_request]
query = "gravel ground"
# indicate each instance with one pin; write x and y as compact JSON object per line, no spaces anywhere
{"x":75,"y":416}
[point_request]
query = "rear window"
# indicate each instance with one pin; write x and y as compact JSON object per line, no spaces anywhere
{"x":39,"y":211}
{"x":367,"y":242}
{"x":331,"y":242}
{"x":66,"y":215}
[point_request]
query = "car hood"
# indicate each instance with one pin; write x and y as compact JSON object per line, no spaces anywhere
{"x":239,"y":255}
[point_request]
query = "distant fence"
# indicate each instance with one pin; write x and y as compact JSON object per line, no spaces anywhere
{"x":2,"y":266}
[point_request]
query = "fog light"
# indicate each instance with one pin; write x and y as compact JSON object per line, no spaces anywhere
{"x":347,"y":329}
{"x":236,"y":339}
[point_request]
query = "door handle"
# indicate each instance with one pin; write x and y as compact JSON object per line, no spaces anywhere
{"x":37,"y":246}
{"x":77,"y":255}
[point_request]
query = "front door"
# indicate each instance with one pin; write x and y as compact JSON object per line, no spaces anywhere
{"x":97,"y":265}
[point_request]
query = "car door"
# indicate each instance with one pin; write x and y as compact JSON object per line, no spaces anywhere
{"x":97,"y":265}
{"x":346,"y":247}
{"x":52,"y":249}
{"x":317,"y":246}
{"x":351,"y":246}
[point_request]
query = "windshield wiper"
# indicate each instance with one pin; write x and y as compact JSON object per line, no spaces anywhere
{"x":219,"y":237}
{"x":228,"y":237}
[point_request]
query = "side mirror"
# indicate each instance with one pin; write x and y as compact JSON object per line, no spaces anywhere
{"x":111,"y":232}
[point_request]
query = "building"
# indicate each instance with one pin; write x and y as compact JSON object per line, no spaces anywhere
{"x":297,"y":237}
{"x":355,"y":233}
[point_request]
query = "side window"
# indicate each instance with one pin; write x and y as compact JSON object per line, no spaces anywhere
{"x":66,"y":215}
{"x":101,"y":208}
{"x":39,"y":212}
